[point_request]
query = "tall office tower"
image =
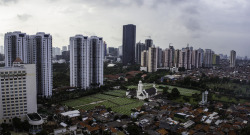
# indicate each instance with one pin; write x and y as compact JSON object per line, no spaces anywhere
{"x":208,"y":58}
{"x":111,"y":50}
{"x":172,"y":51}
{"x":232,"y":58}
{"x":16,"y":45}
{"x":195,"y":59}
{"x":79,"y":61}
{"x":185,"y":58}
{"x":53,"y":52}
{"x":105,"y":49}
{"x":68,"y":47}
{"x":96,"y":61}
{"x":41,"y":44}
{"x":138,"y":50}
{"x":120,"y":51}
{"x":18,"y":91}
{"x":177,"y":55}
{"x":152,"y":59}
{"x":57,"y":51}
{"x":159,"y":57}
{"x":117,"y":52}
{"x":189,"y":58}
{"x":128,"y":44}
{"x":1,"y":49}
{"x":64,"y":48}
{"x":86,"y":61}
{"x":216,"y":59}
{"x":201,"y":57}
{"x":144,"y":58}
{"x":168,"y":58}
{"x":148,"y":43}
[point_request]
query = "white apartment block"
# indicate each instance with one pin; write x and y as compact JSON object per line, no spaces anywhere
{"x":15,"y":45}
{"x":18,"y":91}
{"x":33,"y":49}
{"x":86,"y":61}
{"x":152,"y":59}
{"x":42,"y":52}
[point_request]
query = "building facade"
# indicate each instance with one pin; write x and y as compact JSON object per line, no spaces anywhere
{"x":16,"y":46}
{"x":232,"y":58}
{"x":18,"y":91}
{"x":208,"y":58}
{"x":128,"y":44}
{"x":86,"y":61}
{"x":148,"y":43}
{"x":152,"y":59}
{"x":41,"y":53}
{"x":32,"y":49}
{"x":138,"y":50}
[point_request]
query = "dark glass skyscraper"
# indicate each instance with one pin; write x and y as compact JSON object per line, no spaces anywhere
{"x":128,"y":44}
{"x":148,"y":43}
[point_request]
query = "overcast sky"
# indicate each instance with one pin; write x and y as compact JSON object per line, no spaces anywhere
{"x":221,"y":25}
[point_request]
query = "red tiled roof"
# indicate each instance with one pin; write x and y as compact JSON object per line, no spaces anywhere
{"x":18,"y":60}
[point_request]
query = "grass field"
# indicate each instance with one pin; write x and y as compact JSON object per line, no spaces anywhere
{"x":241,"y":89}
{"x":115,"y":99}
{"x":227,"y":99}
{"x":183,"y":91}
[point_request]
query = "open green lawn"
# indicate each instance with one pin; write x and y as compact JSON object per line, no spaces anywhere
{"x":181,"y":100}
{"x":119,"y":93}
{"x":116,"y":100}
{"x":123,"y":101}
{"x":241,"y":89}
{"x":103,"y":96}
{"x":126,"y":109}
{"x":80,"y":101}
{"x":183,"y":91}
{"x":227,"y":99}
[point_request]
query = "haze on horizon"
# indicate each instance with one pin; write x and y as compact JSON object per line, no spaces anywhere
{"x":220,"y":25}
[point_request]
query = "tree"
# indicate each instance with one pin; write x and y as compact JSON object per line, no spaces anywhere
{"x":43,"y":132}
{"x":187,"y":99}
{"x":5,"y":129}
{"x":133,"y":129}
{"x":165,"y":90}
{"x":17,"y":123}
{"x":245,"y":131}
{"x":26,"y":126}
{"x":109,"y":109}
{"x":175,"y":92}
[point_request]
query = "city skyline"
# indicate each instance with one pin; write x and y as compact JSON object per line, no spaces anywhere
{"x":221,"y":25}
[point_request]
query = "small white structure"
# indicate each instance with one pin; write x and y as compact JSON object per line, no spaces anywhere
{"x":141,"y":93}
{"x":144,"y":69}
{"x":36,"y":122}
{"x":71,"y":114}
{"x":204,"y":97}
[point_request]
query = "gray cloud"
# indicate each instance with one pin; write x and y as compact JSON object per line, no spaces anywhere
{"x":200,"y":22}
{"x":6,"y":2}
{"x":24,"y":17}
{"x":192,"y":24}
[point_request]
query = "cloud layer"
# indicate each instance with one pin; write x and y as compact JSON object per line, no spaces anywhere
{"x":221,"y":25}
